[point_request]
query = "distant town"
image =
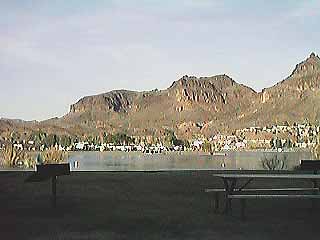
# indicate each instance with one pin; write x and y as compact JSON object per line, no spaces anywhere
{"x":276,"y":137}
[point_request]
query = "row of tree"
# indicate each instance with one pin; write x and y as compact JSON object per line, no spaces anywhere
{"x":40,"y":138}
{"x":277,"y":143}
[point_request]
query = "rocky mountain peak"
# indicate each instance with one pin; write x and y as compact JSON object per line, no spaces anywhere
{"x":309,"y":66}
{"x":210,"y":92}
{"x":218,"y":81}
{"x":215,"y":102}
{"x":313,"y":59}
{"x":304,"y":78}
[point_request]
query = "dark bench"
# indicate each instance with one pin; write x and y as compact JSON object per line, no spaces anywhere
{"x":50,"y":171}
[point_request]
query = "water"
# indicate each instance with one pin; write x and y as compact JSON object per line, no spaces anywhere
{"x":137,"y":161}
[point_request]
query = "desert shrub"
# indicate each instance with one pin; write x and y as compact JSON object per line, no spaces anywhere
{"x":29,"y":161}
{"x":316,"y":149}
{"x":274,"y":162}
{"x":207,"y":147}
{"x":52,"y":155}
{"x":13,"y":157}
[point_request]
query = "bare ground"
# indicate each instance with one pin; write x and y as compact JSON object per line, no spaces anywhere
{"x":136,"y":205}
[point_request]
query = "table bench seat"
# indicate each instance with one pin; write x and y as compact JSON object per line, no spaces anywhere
{"x":270,"y":196}
{"x":244,"y":197}
{"x":208,"y":190}
{"x":216,"y":192}
{"x":304,"y":173}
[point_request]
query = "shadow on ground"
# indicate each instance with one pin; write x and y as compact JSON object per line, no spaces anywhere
{"x":163,"y":205}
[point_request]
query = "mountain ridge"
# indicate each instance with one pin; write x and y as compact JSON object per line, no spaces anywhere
{"x":197,"y":106}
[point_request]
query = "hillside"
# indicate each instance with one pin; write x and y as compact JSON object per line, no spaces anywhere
{"x":191,"y":106}
{"x":295,"y":99}
{"x":187,"y":105}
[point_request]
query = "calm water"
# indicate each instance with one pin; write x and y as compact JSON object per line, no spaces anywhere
{"x":136,"y":161}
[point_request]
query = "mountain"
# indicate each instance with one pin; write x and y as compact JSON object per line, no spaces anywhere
{"x":295,"y":99}
{"x":187,"y":105}
{"x":194,"y":106}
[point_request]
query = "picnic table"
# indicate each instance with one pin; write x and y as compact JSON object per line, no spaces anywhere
{"x":232,"y":191}
{"x":231,"y":180}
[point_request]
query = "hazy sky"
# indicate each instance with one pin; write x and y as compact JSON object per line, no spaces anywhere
{"x":53,"y":52}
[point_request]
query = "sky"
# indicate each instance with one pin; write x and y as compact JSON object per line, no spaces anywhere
{"x":54,"y":52}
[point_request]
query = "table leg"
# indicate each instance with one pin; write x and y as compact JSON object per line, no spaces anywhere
{"x":246,"y":184}
{"x":229,"y":185}
{"x":315,"y":185}
{"x":54,"y":191}
{"x":216,"y":202}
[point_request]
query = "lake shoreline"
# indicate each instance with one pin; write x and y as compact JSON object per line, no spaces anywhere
{"x":137,"y":161}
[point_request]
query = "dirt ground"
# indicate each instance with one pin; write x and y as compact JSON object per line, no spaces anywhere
{"x":137,"y":205}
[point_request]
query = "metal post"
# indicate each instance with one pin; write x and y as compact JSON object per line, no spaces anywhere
{"x":216,"y":202}
{"x":230,"y":184}
{"x":315,"y":185}
{"x":243,"y":207}
{"x":54,"y":191}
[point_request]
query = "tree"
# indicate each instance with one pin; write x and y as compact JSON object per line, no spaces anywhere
{"x":169,"y":138}
{"x":178,"y":142}
{"x":278,"y":143}
{"x":207,"y":147}
{"x":286,"y":123}
{"x":65,"y":141}
{"x":186,"y":143}
{"x":38,"y":137}
{"x":272,"y":143}
{"x":316,"y":149}
{"x":15,"y":136}
{"x":51,"y":140}
{"x":121,"y":138}
{"x":288,"y":144}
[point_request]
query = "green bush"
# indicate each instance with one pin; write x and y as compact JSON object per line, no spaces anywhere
{"x":274,"y":162}
{"x":316,"y":149}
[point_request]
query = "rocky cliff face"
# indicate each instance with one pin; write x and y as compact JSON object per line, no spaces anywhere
{"x":217,"y":91}
{"x":116,"y":101}
{"x":187,"y":100}
{"x":220,"y":89}
{"x":193,"y":105}
{"x":296,"y":98}
{"x":203,"y":105}
{"x":308,"y":67}
{"x":305,"y":76}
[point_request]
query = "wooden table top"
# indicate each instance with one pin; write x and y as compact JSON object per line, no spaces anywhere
{"x":267,"y":175}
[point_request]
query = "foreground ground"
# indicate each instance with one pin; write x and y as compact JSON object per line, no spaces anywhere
{"x":165,"y":205}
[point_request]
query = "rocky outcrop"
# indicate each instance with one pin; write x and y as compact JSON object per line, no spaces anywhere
{"x":294,"y":99}
{"x":308,"y":67}
{"x":114,"y":101}
{"x":216,"y":104}
{"x":218,"y":101}
{"x":212,"y":93}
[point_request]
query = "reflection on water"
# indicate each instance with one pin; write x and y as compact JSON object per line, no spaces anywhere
{"x":137,"y":161}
